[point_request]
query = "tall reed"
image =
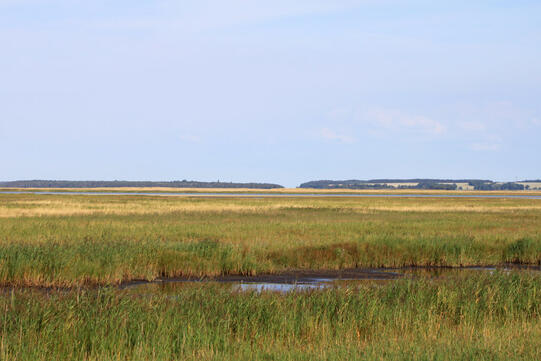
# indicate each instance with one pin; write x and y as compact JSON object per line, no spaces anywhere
{"x":494,"y":317}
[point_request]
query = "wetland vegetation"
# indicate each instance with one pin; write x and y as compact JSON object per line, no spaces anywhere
{"x":51,"y":240}
{"x":64,"y":246}
{"x":485,"y":317}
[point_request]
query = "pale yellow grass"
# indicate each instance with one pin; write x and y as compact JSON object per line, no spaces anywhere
{"x":121,"y":205}
{"x":67,"y":208}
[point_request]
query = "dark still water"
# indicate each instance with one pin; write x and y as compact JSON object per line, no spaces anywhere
{"x":294,"y":282}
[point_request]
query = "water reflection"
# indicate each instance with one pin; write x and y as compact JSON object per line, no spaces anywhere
{"x":284,"y":284}
{"x":278,"y":287}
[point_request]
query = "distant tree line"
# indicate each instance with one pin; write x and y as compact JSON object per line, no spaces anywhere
{"x":119,"y":184}
{"x":436,"y":185}
{"x":440,"y":184}
{"x":492,"y":186}
{"x":420,"y":183}
{"x":421,"y":180}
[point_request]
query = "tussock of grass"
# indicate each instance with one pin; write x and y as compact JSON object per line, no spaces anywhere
{"x":487,"y":317}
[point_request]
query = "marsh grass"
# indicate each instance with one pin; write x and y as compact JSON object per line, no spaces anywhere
{"x":485,"y":317}
{"x":59,"y":240}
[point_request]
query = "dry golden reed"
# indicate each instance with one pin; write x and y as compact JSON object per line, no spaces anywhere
{"x":60,"y":205}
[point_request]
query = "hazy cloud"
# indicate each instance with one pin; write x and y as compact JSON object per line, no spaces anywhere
{"x":343,"y":113}
{"x":472,"y":126}
{"x":396,"y":120}
{"x":331,"y":135}
{"x":485,"y":147}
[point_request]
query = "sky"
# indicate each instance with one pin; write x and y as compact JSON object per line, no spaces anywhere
{"x":270,"y":91}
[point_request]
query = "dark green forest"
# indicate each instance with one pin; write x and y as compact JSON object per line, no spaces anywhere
{"x":439,"y":184}
{"x":114,"y":184}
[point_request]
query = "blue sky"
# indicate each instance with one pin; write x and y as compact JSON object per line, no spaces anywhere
{"x":278,"y":91}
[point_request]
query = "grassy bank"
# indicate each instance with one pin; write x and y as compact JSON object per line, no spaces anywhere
{"x":72,"y":240}
{"x":490,"y":317}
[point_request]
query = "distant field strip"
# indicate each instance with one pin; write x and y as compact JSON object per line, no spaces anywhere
{"x":531,"y":185}
{"x":271,"y":191}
